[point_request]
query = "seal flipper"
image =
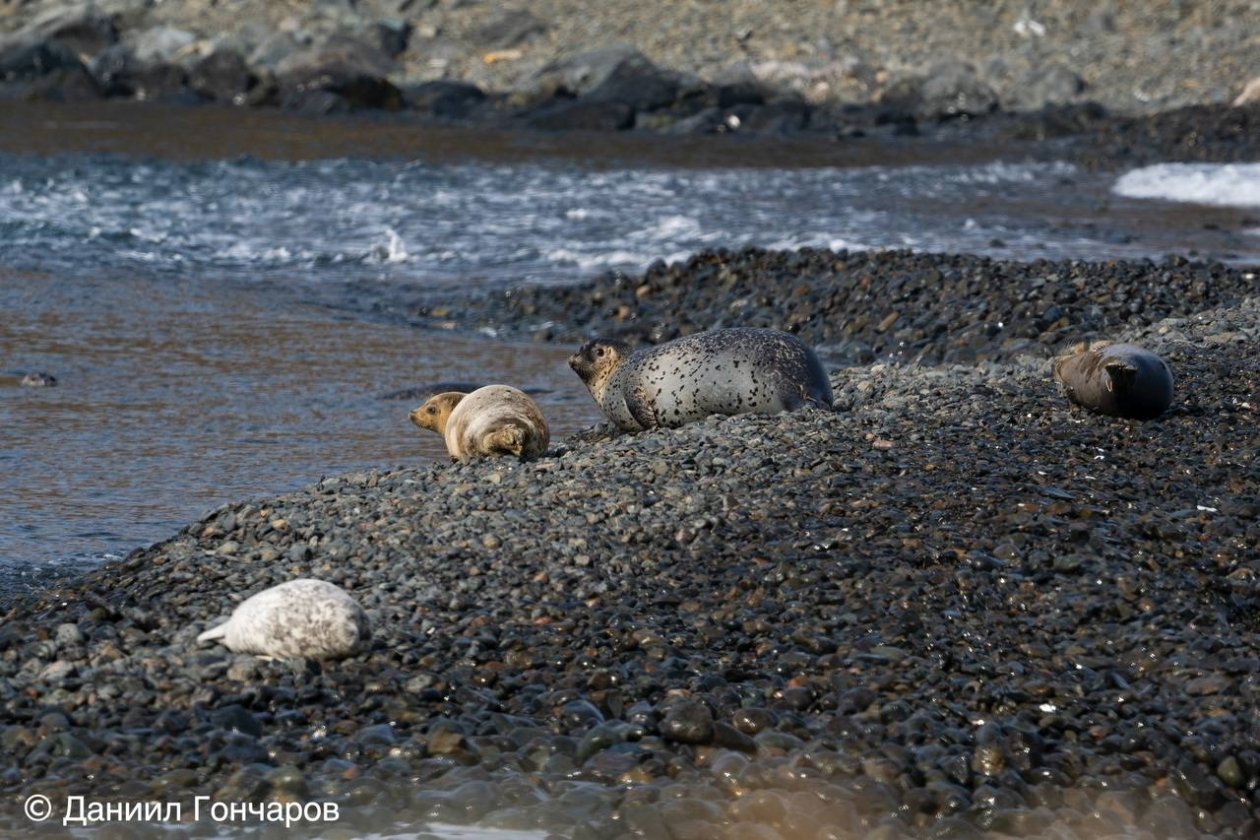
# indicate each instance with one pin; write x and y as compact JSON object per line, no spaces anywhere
{"x":214,"y":633}
{"x":640,"y":408}
{"x":508,"y":439}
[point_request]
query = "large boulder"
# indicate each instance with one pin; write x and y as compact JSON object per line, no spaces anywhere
{"x":119,"y":73}
{"x":82,"y":29}
{"x":581,"y":115}
{"x":340,"y":73}
{"x":639,"y":83}
{"x":444,"y":98}
{"x":45,"y":60}
{"x":584,"y":72}
{"x":22,"y":60}
{"x":612,"y":90}
{"x":223,"y":76}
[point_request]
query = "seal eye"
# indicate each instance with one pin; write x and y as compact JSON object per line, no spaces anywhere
{"x":599,"y":352}
{"x":431,"y":409}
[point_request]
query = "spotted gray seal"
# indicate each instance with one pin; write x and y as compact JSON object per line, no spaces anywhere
{"x":299,"y":618}
{"x":1119,"y":380}
{"x":494,"y":420}
{"x":725,"y":371}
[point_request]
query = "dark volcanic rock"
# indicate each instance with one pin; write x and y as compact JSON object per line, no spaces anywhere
{"x":118,"y":72}
{"x":890,"y":305}
{"x":580,"y":115}
{"x":24,"y":60}
{"x":445,"y":99}
{"x":223,"y":76}
{"x":1195,"y":133}
{"x":638,"y":83}
{"x":340,"y":74}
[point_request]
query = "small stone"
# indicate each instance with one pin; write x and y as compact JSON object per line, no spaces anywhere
{"x":688,"y":722}
{"x":69,"y":634}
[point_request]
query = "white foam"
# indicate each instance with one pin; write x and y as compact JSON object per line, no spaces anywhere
{"x":392,"y":251}
{"x":1222,"y":185}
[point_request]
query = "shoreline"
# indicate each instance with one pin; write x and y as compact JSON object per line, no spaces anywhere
{"x":1095,"y":141}
{"x":454,"y":57}
{"x":956,"y":604}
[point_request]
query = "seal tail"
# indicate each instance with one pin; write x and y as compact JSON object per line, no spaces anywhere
{"x":214,"y":633}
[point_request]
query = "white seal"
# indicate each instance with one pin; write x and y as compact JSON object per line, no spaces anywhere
{"x":299,"y":618}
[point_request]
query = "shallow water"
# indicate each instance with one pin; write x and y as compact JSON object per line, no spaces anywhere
{"x":174,"y":397}
{"x":215,"y":321}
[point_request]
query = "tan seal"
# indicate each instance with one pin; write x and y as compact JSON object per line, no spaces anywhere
{"x":306,"y":618}
{"x":727,"y":371}
{"x":494,"y":420}
{"x":1119,"y":380}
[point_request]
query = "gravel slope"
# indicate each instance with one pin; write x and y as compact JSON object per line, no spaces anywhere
{"x":955,"y":607}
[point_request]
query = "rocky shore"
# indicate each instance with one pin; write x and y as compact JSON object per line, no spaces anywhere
{"x":955,"y":607}
{"x":836,"y":69}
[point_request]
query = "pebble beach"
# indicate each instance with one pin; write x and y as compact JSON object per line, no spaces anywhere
{"x":957,"y":606}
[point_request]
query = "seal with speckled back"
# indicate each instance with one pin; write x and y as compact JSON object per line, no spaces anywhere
{"x":739,"y":370}
{"x":1119,"y":380}
{"x":307,"y":618}
{"x":494,"y":420}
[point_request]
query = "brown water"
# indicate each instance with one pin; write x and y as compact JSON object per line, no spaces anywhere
{"x":173,"y":398}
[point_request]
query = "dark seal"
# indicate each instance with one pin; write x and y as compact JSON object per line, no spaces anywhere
{"x":726,"y":371}
{"x":1119,"y":380}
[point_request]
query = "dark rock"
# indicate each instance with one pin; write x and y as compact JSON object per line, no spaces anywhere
{"x":445,"y":99}
{"x":236,"y":718}
{"x":688,"y":722}
{"x":584,"y":72}
{"x":24,"y":60}
{"x":341,"y":74}
{"x":740,"y":93}
{"x":119,"y":73}
{"x":638,"y":83}
{"x":784,"y":117}
{"x":580,"y":115}
{"x":67,"y":84}
{"x":223,"y":76}
{"x":83,"y":30}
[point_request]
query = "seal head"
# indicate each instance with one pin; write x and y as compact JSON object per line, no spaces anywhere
{"x":436,"y":411}
{"x":726,"y":371}
{"x":494,"y":420}
{"x":596,"y":362}
{"x":306,"y":618}
{"x":1118,"y":380}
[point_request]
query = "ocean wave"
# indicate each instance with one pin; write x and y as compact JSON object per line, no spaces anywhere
{"x":1221,"y":185}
